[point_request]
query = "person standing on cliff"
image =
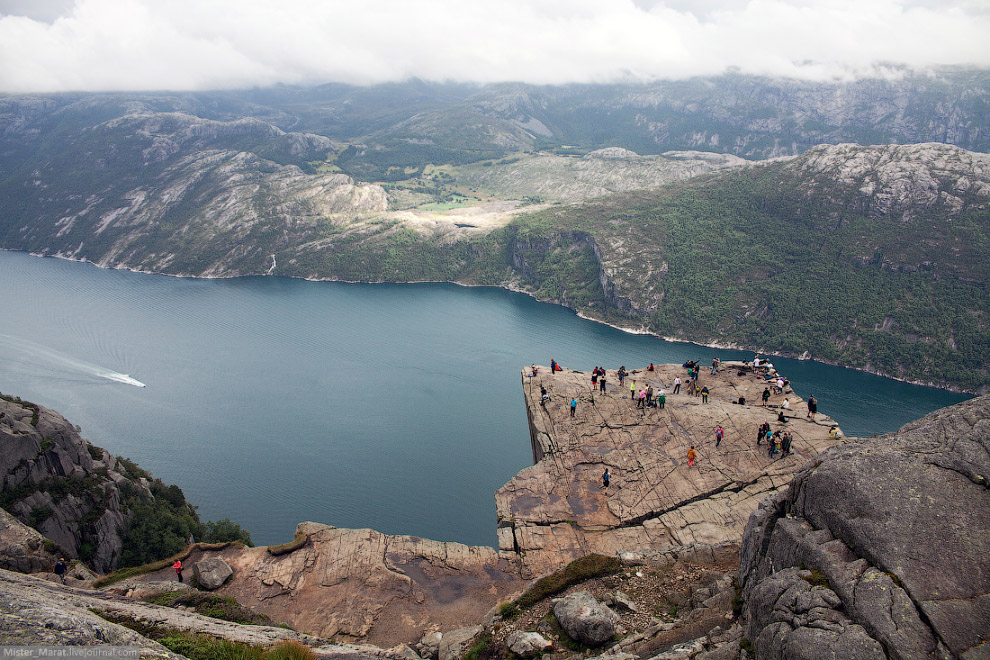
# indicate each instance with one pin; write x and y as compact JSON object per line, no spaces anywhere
{"x":60,"y":569}
{"x":704,"y":394}
{"x":606,"y":480}
{"x":661,"y":399}
{"x":632,"y":390}
{"x":692,"y":454}
{"x":594,"y":379}
{"x":573,"y":406}
{"x":812,"y":407}
{"x":178,"y":569}
{"x":718,"y":435}
{"x":601,"y":382}
{"x":677,"y":385}
{"x":766,"y":396}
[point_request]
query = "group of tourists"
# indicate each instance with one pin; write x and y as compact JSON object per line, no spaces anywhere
{"x":778,"y":442}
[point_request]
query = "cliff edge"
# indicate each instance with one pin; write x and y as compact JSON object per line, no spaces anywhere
{"x":879,"y":548}
{"x":557,"y":510}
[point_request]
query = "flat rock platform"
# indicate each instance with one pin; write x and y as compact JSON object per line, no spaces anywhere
{"x":557,"y":510}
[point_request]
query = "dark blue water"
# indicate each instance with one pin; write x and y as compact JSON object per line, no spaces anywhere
{"x":273,"y":401}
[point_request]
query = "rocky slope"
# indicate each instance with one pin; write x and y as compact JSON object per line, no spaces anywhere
{"x":39,"y":612}
{"x":557,"y":510}
{"x":878,"y":548}
{"x":87,"y":504}
{"x":551,"y":178}
{"x":69,"y":490}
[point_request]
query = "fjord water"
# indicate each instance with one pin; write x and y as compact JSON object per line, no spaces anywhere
{"x":272,"y":401}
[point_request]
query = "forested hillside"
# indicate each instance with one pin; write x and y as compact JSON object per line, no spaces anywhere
{"x":869,"y":257}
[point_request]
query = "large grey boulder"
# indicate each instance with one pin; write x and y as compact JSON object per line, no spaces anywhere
{"x":527,"y":644}
{"x":894,"y":533}
{"x":584,"y":619}
{"x":212,"y":572}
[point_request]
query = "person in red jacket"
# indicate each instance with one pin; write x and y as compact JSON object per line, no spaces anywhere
{"x":178,"y":569}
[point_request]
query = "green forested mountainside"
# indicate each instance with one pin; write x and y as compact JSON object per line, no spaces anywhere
{"x":763,"y":258}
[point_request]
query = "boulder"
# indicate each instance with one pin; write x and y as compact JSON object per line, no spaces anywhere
{"x":429,"y":645}
{"x":527,"y":644}
{"x":622,"y":602}
{"x":454,"y":642}
{"x":584,"y":619}
{"x":212,"y":572}
{"x":878,"y":546}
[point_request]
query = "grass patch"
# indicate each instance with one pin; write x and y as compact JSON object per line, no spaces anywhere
{"x":579,"y":570}
{"x":203,"y":647}
{"x":478,"y":647}
{"x":298,"y":541}
{"x":217,"y":607}
{"x":134,"y":571}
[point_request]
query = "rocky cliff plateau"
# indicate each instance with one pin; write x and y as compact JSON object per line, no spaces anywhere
{"x":871,"y":548}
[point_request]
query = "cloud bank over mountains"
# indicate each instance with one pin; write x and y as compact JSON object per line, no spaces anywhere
{"x":99,"y":45}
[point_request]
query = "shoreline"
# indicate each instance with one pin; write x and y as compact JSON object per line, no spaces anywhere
{"x":640,"y":331}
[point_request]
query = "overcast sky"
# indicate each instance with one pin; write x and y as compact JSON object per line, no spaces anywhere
{"x":59,"y":45}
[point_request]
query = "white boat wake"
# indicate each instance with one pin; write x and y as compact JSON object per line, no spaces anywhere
{"x":64,"y":362}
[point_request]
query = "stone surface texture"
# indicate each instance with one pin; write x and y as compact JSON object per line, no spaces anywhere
{"x":880,"y":545}
{"x":37,"y":612}
{"x":527,"y":644}
{"x":212,"y":572}
{"x":22,"y":548}
{"x":556,"y":510}
{"x":454,"y":643}
{"x":359,"y":584}
{"x":584,"y":619}
{"x":38,"y":445}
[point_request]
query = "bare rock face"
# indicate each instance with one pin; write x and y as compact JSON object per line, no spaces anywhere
{"x":557,"y":510}
{"x":584,"y":619}
{"x":64,"y":487}
{"x":359,"y":584}
{"x":454,"y":643}
{"x":22,"y":548}
{"x":212,"y":572}
{"x":885,"y":540}
{"x":35,"y":612}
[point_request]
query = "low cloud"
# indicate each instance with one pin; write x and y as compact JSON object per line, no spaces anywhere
{"x":215,"y":44}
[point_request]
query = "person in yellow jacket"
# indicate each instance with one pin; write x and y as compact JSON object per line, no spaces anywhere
{"x":692,"y":454}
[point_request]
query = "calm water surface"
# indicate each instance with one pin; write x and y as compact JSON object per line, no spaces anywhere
{"x":272,"y":401}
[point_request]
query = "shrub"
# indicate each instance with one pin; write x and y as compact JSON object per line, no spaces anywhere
{"x":223,"y":531}
{"x":39,"y":514}
{"x":94,"y":452}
